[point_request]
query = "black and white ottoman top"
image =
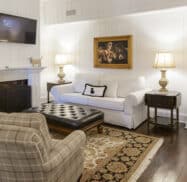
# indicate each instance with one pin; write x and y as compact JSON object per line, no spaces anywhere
{"x":71,"y":116}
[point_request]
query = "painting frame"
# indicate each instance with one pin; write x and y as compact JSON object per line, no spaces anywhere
{"x":113,"y":39}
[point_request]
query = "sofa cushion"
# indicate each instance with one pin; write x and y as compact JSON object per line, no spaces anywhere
{"x":107,"y":103}
{"x":76,"y":98}
{"x":81,"y":79}
{"x":102,"y":102}
{"x":125,"y":87}
{"x":112,"y":86}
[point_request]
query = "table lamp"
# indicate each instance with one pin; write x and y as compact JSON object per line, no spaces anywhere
{"x":61,"y":60}
{"x":163,"y":61}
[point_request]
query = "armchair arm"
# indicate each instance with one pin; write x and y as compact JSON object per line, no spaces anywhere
{"x":58,"y":90}
{"x":65,"y":149}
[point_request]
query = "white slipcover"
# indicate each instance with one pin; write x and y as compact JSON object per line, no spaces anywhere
{"x":112,"y":86}
{"x":107,"y":103}
{"x":126,"y":109}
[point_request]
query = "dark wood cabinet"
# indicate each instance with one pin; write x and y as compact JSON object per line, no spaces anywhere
{"x":14,"y":97}
{"x":163,"y":100}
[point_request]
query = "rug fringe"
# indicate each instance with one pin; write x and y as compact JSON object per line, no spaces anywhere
{"x":147,"y":160}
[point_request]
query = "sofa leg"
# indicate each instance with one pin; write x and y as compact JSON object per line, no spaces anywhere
{"x":99,"y":129}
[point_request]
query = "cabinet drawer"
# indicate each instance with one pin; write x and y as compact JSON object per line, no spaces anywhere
{"x":160,"y":101}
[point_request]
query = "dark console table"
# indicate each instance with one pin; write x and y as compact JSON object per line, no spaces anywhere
{"x":164,"y":100}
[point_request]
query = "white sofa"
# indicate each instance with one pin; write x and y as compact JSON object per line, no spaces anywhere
{"x":122,"y":105}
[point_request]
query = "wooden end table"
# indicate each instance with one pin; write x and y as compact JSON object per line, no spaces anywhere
{"x":163,"y":100}
{"x":50,"y":85}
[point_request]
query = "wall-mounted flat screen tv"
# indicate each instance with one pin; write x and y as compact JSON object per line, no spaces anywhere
{"x":17,"y":29}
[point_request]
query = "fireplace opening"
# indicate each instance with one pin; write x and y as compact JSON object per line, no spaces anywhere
{"x":15,"y":96}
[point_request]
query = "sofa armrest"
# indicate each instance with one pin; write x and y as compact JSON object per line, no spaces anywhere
{"x":58,"y":90}
{"x":136,"y":98}
{"x":64,"y":149}
{"x":67,"y":88}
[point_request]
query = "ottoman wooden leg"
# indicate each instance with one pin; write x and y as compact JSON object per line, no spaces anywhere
{"x":99,"y":129}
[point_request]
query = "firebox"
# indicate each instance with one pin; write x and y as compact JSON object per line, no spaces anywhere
{"x":15,"y":96}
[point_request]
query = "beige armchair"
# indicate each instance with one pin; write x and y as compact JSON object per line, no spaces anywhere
{"x":29,"y":154}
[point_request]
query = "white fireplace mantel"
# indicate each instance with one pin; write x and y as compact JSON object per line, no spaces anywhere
{"x":30,"y":73}
{"x":22,"y":69}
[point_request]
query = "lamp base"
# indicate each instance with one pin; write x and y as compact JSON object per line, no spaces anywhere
{"x":61,"y":75}
{"x":163,"y":90}
{"x":61,"y":81}
{"x":163,"y":82}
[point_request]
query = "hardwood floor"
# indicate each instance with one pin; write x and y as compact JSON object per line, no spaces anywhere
{"x":170,"y":162}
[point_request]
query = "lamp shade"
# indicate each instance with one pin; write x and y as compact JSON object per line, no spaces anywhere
{"x":164,"y":60}
{"x":62,"y":59}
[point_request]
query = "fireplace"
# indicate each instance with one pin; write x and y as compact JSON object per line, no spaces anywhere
{"x":24,"y":76}
{"x":15,"y":96}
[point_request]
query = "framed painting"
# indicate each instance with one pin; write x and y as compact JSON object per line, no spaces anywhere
{"x":113,"y":52}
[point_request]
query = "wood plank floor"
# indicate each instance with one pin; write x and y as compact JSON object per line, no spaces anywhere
{"x":170,"y":163}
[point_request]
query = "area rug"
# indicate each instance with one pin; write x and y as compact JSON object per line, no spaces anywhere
{"x":116,"y":155}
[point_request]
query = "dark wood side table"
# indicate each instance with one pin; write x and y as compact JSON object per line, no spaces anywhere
{"x":163,"y":100}
{"x":50,"y":85}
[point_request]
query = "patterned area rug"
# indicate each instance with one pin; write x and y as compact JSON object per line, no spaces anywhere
{"x":116,"y":155}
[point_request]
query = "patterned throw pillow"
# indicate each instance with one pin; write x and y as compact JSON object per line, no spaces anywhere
{"x":94,"y":90}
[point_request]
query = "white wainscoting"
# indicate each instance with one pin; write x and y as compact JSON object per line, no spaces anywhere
{"x":153,"y":31}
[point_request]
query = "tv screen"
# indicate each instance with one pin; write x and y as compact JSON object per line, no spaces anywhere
{"x":17,"y":29}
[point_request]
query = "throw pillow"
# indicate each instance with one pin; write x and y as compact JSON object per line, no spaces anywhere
{"x":94,"y":90}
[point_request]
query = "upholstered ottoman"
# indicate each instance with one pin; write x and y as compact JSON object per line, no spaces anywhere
{"x":67,"y":118}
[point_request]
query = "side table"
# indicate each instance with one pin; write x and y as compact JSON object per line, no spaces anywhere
{"x":50,"y":85}
{"x":163,"y":100}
